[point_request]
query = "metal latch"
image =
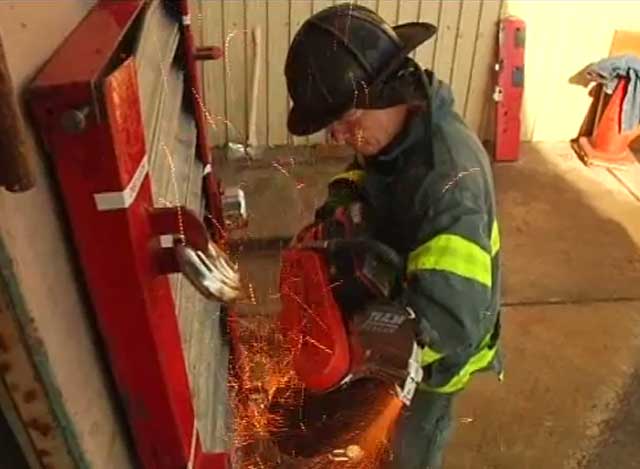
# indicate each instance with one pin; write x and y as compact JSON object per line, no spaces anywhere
{"x":188,"y":249}
{"x":234,"y":208}
{"x":210,"y":272}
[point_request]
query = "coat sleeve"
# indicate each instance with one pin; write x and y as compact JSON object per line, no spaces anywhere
{"x":449,"y":276}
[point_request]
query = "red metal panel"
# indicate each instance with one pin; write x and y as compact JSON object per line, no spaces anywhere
{"x":134,"y":306}
{"x":101,"y":166}
{"x":510,"y":88}
{"x":213,"y":461}
{"x":311,"y":319}
{"x":94,"y":40}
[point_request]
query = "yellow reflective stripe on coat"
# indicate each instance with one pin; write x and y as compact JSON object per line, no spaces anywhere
{"x":479,"y":361}
{"x":356,"y":176}
{"x":429,"y":356}
{"x":455,"y":254}
{"x":495,"y":238}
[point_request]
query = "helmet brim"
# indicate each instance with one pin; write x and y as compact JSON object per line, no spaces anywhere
{"x":413,"y":34}
{"x":301,"y":122}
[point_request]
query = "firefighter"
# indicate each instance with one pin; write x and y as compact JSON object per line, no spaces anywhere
{"x":428,"y":181}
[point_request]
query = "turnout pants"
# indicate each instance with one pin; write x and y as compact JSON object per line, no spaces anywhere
{"x":422,"y":432}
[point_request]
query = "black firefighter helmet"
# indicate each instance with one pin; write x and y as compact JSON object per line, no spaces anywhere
{"x":347,"y":56}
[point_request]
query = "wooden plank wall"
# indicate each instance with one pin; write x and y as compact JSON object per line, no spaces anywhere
{"x":462,"y":54}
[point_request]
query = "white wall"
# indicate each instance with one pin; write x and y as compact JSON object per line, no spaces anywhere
{"x":462,"y":54}
{"x":562,"y":38}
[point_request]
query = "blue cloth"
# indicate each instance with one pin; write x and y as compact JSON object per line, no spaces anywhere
{"x":608,"y":72}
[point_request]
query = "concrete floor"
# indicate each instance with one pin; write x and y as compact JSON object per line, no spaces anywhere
{"x":570,"y":237}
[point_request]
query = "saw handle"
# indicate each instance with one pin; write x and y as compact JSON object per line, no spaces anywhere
{"x":362,"y":245}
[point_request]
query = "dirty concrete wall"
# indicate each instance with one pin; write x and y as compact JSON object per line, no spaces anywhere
{"x":462,"y":53}
{"x":37,"y":260}
{"x":563,"y":37}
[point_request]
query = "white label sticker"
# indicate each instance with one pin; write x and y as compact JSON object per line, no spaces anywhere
{"x":118,"y":200}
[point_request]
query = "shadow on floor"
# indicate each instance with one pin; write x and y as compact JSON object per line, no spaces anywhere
{"x":619,"y":447}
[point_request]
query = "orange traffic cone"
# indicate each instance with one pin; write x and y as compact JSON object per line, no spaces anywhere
{"x":609,"y":146}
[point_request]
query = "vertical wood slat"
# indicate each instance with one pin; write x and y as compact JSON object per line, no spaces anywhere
{"x":408,"y":11}
{"x":197,"y":8}
{"x":479,"y":101}
{"x":277,"y":45}
{"x":299,"y":11}
{"x":319,"y":137}
{"x":388,"y":9}
{"x":371,"y":4}
{"x":446,"y":44}
{"x":461,"y":54}
{"x":465,"y":42}
{"x":256,"y":17}
{"x":235,"y":70}
{"x":429,"y":13}
{"x":214,"y":80}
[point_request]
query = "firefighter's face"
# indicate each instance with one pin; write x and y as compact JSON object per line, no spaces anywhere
{"x":368,"y":131}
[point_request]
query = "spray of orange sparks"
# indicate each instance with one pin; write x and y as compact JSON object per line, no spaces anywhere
{"x":279,"y":167}
{"x":263,"y":366}
{"x":263,"y":372}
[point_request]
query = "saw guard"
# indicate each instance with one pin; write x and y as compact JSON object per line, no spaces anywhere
{"x":312,"y":321}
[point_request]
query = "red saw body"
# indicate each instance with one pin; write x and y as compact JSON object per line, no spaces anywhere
{"x":332,"y":341}
{"x":312,"y":321}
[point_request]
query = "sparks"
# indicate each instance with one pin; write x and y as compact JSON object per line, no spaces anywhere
{"x":176,"y":191}
{"x":457,"y":178}
{"x":311,"y":312}
{"x":366,"y":91}
{"x":270,"y":365}
{"x":161,"y":64}
{"x":252,"y":294}
{"x":227,"y":42}
{"x":318,"y":344}
{"x":221,"y":229}
{"x":280,"y":168}
{"x":355,"y":90}
{"x":212,"y":118}
{"x":349,"y":17}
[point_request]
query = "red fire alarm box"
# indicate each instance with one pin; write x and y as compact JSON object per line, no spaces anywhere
{"x":509,"y":88}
